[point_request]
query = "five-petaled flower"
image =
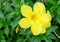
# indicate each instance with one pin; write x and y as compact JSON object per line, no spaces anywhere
{"x":37,"y":18}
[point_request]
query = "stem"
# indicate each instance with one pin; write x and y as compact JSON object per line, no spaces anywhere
{"x":42,"y":1}
{"x":56,"y":34}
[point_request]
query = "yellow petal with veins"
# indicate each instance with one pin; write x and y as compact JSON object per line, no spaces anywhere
{"x":44,"y":18}
{"x":45,"y":21}
{"x":26,"y":10}
{"x":25,"y":23}
{"x":36,"y":28}
{"x":39,"y":8}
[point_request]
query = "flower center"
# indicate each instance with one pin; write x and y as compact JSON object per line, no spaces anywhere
{"x":34,"y":17}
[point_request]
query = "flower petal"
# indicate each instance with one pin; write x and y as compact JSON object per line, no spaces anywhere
{"x":49,"y":15}
{"x":26,"y":10}
{"x":43,"y":31}
{"x":39,"y":8}
{"x":45,"y":21}
{"x":47,"y":25}
{"x":25,"y":23}
{"x":36,"y":28}
{"x":44,"y":18}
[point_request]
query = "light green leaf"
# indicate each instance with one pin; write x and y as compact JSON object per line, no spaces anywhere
{"x":36,"y":39}
{"x":10,"y":15}
{"x":51,"y":29}
{"x":51,"y":36}
{"x":15,"y":3}
{"x":15,"y":22}
{"x":3,"y":41}
{"x":7,"y":7}
{"x":47,"y":39}
{"x":22,"y":2}
{"x":6,"y":30}
{"x":1,"y":14}
{"x":58,"y":1}
{"x":27,"y":32}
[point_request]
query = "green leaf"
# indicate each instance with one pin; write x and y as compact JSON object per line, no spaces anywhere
{"x":1,"y":35}
{"x":58,"y":10}
{"x":51,"y":36}
{"x":10,"y":15}
{"x":6,"y":30}
{"x":53,"y":7}
{"x":22,"y":32}
{"x":20,"y":39}
{"x":1,"y":25}
{"x":27,"y":32}
{"x":47,"y":39}
{"x":35,"y":39}
{"x":15,"y":3}
{"x":58,"y":2}
{"x":7,"y":7}
{"x":3,"y":41}
{"x":22,"y":2}
{"x":0,"y":4}
{"x":1,"y":14}
{"x":58,"y":18}
{"x":53,"y":2}
{"x":57,"y":40}
{"x":15,"y":22}
{"x":51,"y":29}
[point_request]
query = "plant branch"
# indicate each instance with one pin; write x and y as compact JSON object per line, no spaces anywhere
{"x":42,"y":1}
{"x":56,"y":34}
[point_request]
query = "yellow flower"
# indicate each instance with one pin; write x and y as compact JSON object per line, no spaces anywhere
{"x":37,"y":18}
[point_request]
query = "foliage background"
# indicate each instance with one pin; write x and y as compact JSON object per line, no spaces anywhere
{"x":10,"y":15}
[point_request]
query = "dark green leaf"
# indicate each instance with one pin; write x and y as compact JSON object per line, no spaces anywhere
{"x":20,"y":39}
{"x":58,"y":18}
{"x":1,"y":25}
{"x":52,"y":2}
{"x":57,"y":40}
{"x":58,"y":10}
{"x":1,"y":35}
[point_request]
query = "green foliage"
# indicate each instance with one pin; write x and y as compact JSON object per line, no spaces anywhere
{"x":10,"y":15}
